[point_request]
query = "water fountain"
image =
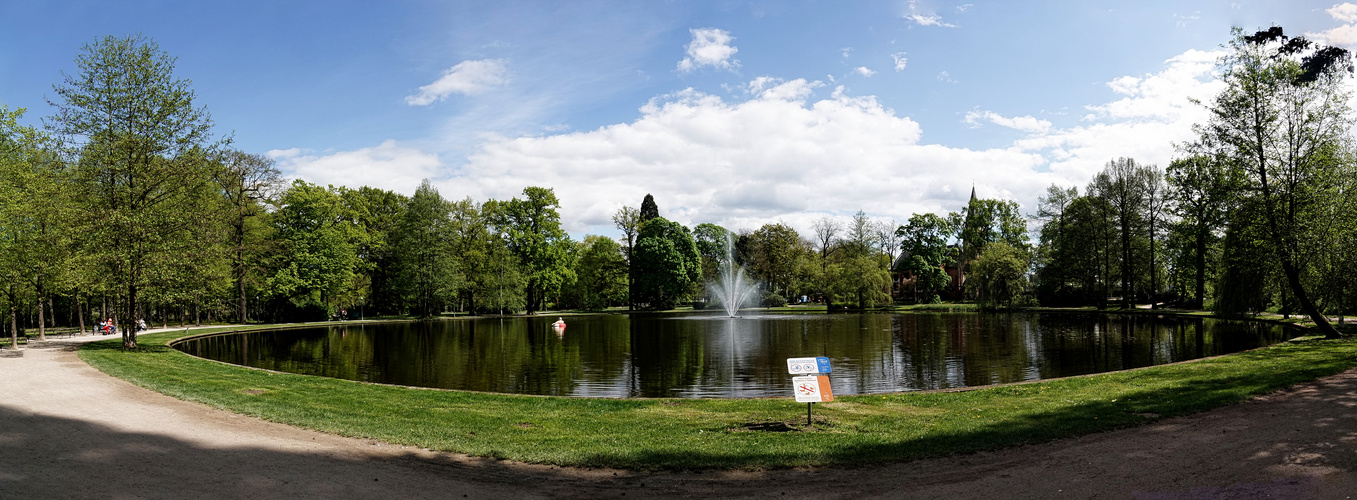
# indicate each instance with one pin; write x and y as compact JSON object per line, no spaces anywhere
{"x":732,"y":288}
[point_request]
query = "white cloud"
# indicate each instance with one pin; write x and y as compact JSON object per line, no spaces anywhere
{"x":387,"y":166}
{"x":918,"y":16}
{"x":964,"y":7}
{"x":1343,"y":36}
{"x":782,"y":155}
{"x":467,"y":77}
{"x":846,"y":51}
{"x":785,"y":152}
{"x":1027,"y":124}
{"x":1345,"y":12}
{"x":1164,"y":95}
{"x":864,"y":71}
{"x":710,"y":47}
{"x":945,"y":77}
{"x":899,"y":59}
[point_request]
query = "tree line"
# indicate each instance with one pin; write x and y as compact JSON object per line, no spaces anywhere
{"x":124,"y":204}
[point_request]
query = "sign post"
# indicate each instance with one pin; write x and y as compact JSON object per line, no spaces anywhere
{"x":812,"y":386}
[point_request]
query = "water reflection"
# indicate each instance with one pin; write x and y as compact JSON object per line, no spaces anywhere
{"x":708,"y":356}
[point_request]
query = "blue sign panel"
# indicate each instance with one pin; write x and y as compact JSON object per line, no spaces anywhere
{"x":822,"y":363}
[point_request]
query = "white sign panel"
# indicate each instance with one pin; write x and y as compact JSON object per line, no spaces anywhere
{"x":801,"y":366}
{"x":807,"y":389}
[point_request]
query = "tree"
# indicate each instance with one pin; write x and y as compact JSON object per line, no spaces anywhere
{"x":628,"y":220}
{"x":247,"y":182}
{"x":1001,"y":272}
{"x":378,"y":281}
{"x":770,"y":255}
{"x":30,"y":244}
{"x":1122,"y":185}
{"x":601,"y":274}
{"x":532,"y":227}
{"x":317,"y":236}
{"x":648,"y":209}
{"x":884,"y":232}
{"x":1075,"y":272}
{"x":493,"y":276}
{"x":1156,"y":206}
{"x":713,"y":244}
{"x":1200,"y":188}
{"x":667,"y":263}
{"x":1283,"y":121}
{"x":924,"y":239}
{"x":423,"y":243}
{"x":141,"y":152}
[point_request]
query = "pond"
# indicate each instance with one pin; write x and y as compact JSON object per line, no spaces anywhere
{"x":700,"y":356}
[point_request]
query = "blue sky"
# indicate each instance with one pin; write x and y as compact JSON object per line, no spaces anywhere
{"x":738,"y":113}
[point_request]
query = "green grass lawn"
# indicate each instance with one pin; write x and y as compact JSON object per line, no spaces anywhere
{"x":716,"y":433}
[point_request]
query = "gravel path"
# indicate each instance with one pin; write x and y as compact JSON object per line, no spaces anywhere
{"x":69,"y":431}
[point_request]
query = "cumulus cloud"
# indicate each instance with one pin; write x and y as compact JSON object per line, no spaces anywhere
{"x":1345,"y":12}
{"x":1343,"y":36}
{"x":1164,"y":95}
{"x":899,"y":59}
{"x":784,"y":151}
{"x":467,"y":77}
{"x":864,"y":71}
{"x":1027,"y":124}
{"x":710,"y":47}
{"x":387,"y":166}
{"x":781,"y":155}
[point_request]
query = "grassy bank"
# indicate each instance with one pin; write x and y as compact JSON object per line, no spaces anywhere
{"x":757,"y":433}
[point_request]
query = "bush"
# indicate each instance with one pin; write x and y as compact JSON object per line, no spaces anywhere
{"x":771,"y":299}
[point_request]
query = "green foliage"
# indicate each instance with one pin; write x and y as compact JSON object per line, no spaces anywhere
{"x":601,"y":274}
{"x":428,"y":269}
{"x":649,"y":210}
{"x":141,"y":155}
{"x":924,"y":239}
{"x":1076,"y":255}
{"x":1000,"y":275}
{"x":318,"y":236}
{"x":861,"y":279}
{"x":1283,"y":124}
{"x":771,"y":255}
{"x":667,"y":264}
{"x":379,"y":283}
{"x":532,"y":231}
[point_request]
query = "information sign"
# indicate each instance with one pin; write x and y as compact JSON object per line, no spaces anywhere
{"x":806,"y":366}
{"x":812,"y":389}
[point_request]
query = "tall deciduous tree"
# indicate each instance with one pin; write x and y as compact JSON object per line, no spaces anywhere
{"x":1281,"y":118}
{"x":247,"y":182}
{"x":423,"y":243}
{"x":628,"y":220}
{"x":532,"y":227}
{"x":925,"y":240}
{"x":1200,"y":188}
{"x":139,"y":146}
{"x":1121,"y":183}
{"x":317,"y":237}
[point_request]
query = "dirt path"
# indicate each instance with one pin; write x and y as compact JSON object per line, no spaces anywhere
{"x":67,"y":430}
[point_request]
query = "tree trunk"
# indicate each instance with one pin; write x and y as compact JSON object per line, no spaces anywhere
{"x":240,"y":270}
{"x":13,"y":327}
{"x":1201,"y":267}
{"x":80,"y":313}
{"x":1279,"y":243}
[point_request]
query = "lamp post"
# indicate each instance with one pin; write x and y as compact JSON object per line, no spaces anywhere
{"x":361,"y":303}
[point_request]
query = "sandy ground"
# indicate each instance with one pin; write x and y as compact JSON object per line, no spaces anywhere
{"x":69,"y":431}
